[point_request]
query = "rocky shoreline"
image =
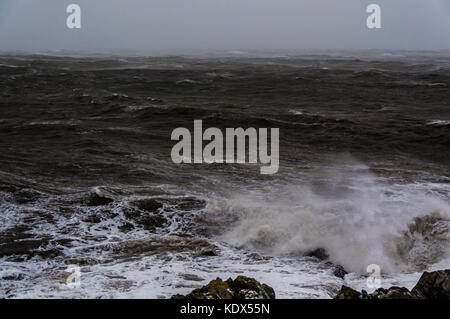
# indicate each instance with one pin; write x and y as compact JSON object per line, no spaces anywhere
{"x":240,"y":288}
{"x":431,"y":285}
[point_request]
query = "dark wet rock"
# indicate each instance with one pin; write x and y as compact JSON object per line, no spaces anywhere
{"x":149,"y":205}
{"x":191,"y":277}
{"x":349,"y":293}
{"x":148,"y":221}
{"x":258,"y":257}
{"x":240,"y":288}
{"x":434,"y":285}
{"x":319,"y":253}
{"x":147,"y":215}
{"x":208,"y":253}
{"x":14,"y":277}
{"x":27,"y":247}
{"x":249,"y":288}
{"x":126,"y":227}
{"x":339,"y":271}
{"x":391,"y":293}
{"x":98,"y":200}
{"x":159,"y":245}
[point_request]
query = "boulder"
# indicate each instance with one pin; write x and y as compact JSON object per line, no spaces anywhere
{"x":208,"y":253}
{"x":240,"y":288}
{"x":434,"y":285}
{"x":393,"y":293}
{"x":148,"y":205}
{"x":339,"y":271}
{"x":319,"y":253}
{"x":98,"y":200}
{"x":349,"y":293}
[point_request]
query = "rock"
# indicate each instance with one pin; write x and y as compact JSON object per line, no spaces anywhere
{"x":147,"y":214}
{"x":393,"y":293}
{"x":434,"y":285}
{"x":191,"y":277}
{"x":159,"y":245}
{"x":339,"y":271}
{"x":97,"y":200}
{"x":249,"y":288}
{"x":149,"y":205}
{"x":151,"y":222}
{"x":126,"y":227}
{"x":348,"y":293}
{"x":29,"y":248}
{"x":208,"y":253}
{"x":240,"y":288}
{"x":319,"y":253}
{"x":148,"y":221}
{"x":216,"y":289}
{"x":14,"y":277}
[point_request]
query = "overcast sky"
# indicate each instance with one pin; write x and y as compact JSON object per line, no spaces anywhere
{"x":169,"y":25}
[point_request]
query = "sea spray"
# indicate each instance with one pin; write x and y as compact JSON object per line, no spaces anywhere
{"x":365,"y":224}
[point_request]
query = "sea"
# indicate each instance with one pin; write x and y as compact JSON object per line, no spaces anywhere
{"x":87,"y":181}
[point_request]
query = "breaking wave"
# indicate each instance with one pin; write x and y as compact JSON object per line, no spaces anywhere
{"x":358,"y":219}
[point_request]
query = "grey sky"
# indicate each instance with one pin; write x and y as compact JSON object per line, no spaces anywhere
{"x":165,"y":25}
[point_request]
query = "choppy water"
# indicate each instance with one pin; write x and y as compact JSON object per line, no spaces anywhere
{"x":86,"y":176}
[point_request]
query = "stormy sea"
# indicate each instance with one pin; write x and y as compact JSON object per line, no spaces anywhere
{"x":87,"y":179}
